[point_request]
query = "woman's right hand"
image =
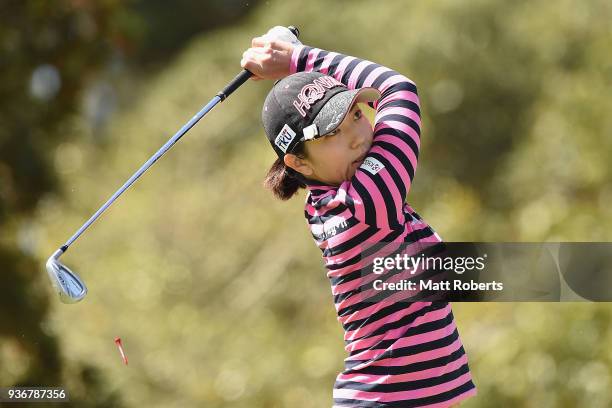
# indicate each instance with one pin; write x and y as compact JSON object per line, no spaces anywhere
{"x":267,"y":59}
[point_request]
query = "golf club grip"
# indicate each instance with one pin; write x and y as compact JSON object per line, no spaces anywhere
{"x":242,"y":77}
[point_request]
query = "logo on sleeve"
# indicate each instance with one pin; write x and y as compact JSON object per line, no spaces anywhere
{"x":371,"y":165}
{"x":284,"y":138}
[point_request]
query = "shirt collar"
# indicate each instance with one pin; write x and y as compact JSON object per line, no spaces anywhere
{"x":318,"y":189}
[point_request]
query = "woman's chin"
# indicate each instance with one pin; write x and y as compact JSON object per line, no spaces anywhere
{"x":353,"y":169}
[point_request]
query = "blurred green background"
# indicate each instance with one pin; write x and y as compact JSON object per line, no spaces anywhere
{"x":217,"y":289}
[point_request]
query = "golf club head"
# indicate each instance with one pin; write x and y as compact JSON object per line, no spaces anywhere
{"x":68,"y":285}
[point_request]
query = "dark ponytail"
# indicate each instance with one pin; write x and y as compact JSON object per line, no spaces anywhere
{"x":283,"y":181}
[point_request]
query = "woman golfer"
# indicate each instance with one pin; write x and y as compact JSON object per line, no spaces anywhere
{"x":400,"y":353}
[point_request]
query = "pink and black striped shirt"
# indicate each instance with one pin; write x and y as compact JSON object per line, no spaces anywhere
{"x":401,"y":353}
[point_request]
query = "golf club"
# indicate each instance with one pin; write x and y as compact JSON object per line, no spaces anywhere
{"x":69,"y":286}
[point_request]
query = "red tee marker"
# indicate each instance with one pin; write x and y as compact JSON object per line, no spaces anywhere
{"x":118,"y":343}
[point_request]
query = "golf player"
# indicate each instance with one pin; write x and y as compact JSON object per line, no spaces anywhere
{"x":401,"y":354}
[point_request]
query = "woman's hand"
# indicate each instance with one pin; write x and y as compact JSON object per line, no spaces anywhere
{"x":267,"y":59}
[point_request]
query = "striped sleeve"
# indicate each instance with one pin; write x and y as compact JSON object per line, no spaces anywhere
{"x":377,"y":191}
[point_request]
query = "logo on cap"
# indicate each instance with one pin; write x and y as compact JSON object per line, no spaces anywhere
{"x":284,"y":138}
{"x":314,"y":91}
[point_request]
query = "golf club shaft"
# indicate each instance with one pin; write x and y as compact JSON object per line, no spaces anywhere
{"x":220,"y":97}
{"x":240,"y":79}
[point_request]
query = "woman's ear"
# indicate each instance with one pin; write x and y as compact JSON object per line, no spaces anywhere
{"x":298,"y":164}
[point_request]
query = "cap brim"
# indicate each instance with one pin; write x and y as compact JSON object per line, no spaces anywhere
{"x":332,"y":114}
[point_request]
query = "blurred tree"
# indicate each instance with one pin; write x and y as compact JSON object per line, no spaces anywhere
{"x":163,"y":30}
{"x":51,"y":52}
{"x":49,"y":49}
{"x":484,"y":87}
